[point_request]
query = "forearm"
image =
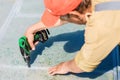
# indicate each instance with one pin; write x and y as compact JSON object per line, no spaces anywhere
{"x":40,"y":26}
{"x":59,"y":23}
{"x":36,"y":27}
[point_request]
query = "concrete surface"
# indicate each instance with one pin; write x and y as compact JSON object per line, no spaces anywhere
{"x":64,"y":42}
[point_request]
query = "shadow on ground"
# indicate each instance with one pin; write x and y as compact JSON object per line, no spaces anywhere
{"x":75,"y":41}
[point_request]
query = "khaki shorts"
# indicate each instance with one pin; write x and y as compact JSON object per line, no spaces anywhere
{"x":102,"y":34}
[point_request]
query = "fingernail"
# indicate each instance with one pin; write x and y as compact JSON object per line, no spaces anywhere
{"x":33,"y":48}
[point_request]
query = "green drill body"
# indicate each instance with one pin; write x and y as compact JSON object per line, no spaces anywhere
{"x":25,"y":48}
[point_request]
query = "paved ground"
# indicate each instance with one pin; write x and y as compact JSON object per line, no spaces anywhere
{"x":63,"y":44}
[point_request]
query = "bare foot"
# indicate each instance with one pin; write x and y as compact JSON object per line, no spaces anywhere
{"x":59,"y":69}
{"x":64,"y":68}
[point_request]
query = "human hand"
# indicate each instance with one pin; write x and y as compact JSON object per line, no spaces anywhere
{"x":31,"y":31}
{"x":30,"y":37}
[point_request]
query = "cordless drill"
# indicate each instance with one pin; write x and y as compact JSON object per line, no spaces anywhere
{"x":25,"y":48}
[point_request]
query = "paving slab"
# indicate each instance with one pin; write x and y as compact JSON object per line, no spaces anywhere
{"x":5,"y":8}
